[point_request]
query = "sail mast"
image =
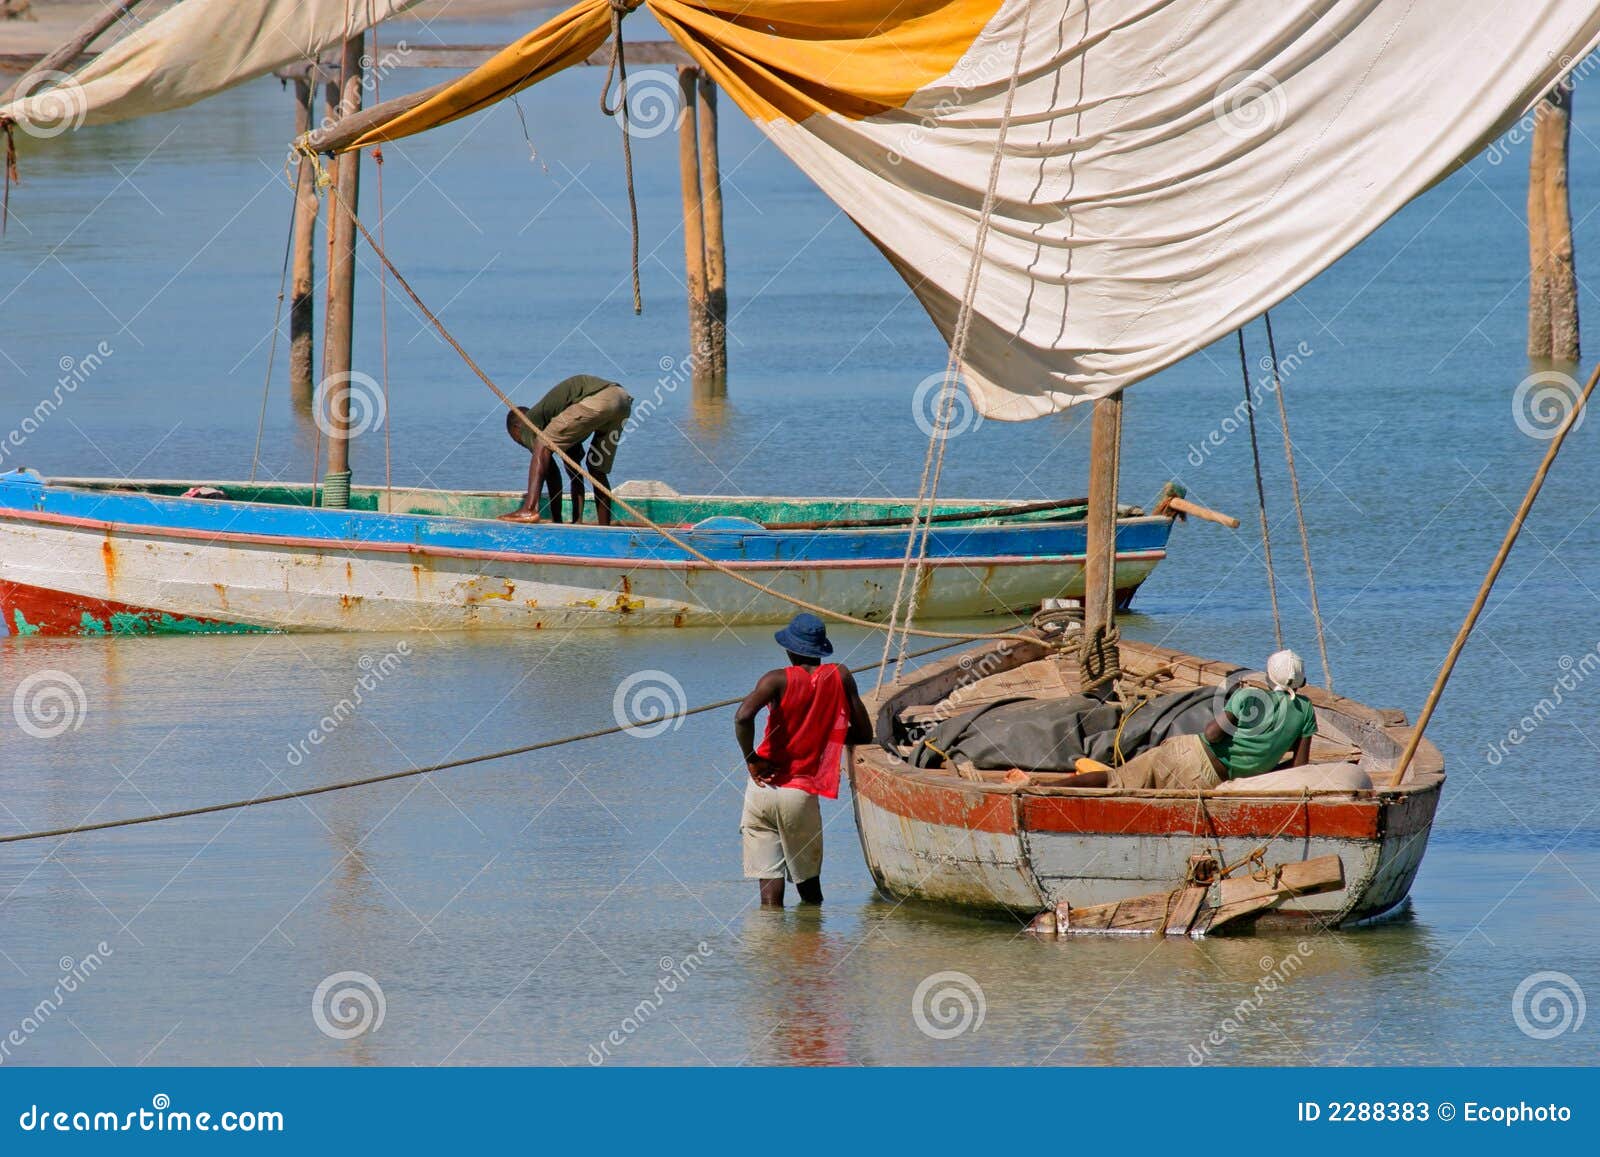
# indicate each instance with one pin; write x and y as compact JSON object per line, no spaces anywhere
{"x":1100,"y":562}
{"x":339,"y":334}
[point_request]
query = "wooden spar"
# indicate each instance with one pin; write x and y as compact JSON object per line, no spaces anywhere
{"x":716,"y":254}
{"x":333,"y":137}
{"x":1560,"y":279}
{"x":1495,"y":567}
{"x":1105,"y":448}
{"x":1184,"y":506}
{"x":302,"y":296}
{"x":73,"y":47}
{"x":340,"y":323}
{"x":694,"y":232}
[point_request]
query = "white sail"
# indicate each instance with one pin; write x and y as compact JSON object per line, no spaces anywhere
{"x":192,"y":51}
{"x":1170,"y":169}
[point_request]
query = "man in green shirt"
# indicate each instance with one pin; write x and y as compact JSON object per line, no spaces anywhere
{"x":1252,"y":735}
{"x":579,"y":407}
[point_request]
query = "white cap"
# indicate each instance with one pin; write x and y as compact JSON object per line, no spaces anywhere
{"x":1286,"y":671}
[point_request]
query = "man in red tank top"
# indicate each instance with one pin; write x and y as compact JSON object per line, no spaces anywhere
{"x":813,"y":712}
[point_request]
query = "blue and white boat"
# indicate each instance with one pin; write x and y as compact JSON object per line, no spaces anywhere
{"x":87,"y":556}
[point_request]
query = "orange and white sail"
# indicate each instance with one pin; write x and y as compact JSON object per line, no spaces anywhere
{"x":1168,"y":169}
{"x":190,"y":52}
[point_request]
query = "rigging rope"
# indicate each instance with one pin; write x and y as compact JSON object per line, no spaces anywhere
{"x":1261,"y":494}
{"x":576,"y":467}
{"x":933,"y":464}
{"x":383,"y":282}
{"x":272,"y":350}
{"x":618,"y":66}
{"x":1299,"y":510}
{"x":386,"y":777}
{"x":1512,"y":531}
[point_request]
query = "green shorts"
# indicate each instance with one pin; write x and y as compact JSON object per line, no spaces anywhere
{"x":599,"y":417}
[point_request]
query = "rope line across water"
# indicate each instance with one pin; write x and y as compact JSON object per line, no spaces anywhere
{"x":407,"y":773}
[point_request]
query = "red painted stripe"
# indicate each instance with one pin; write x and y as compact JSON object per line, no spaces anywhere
{"x":1221,"y":816}
{"x":914,"y":796}
{"x":356,"y":546}
{"x":49,"y":612}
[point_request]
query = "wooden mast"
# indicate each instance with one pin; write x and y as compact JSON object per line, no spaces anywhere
{"x":711,"y":212}
{"x":339,"y":334}
{"x":302,"y":296}
{"x":1552,"y":277}
{"x":1099,"y":568}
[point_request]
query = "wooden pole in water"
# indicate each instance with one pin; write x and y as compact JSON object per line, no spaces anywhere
{"x":694,"y":230}
{"x":1538,"y":245}
{"x":1099,"y":568}
{"x":340,"y":330}
{"x":302,"y":286}
{"x":1552,"y":276}
{"x":74,"y":46}
{"x":1495,"y":567}
{"x":716,"y":254}
{"x":1563,"y":276}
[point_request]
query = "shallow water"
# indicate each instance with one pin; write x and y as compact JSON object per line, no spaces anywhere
{"x":543,"y":908}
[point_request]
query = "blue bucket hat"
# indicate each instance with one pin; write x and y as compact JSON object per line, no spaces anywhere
{"x":805,"y":635}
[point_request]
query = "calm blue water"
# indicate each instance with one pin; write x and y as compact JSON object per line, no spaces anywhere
{"x":521,"y":911}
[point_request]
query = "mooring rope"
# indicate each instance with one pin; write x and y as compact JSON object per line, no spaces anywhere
{"x":1261,"y":494}
{"x":618,"y":66}
{"x":389,"y":776}
{"x":576,"y":467}
{"x":1299,"y":510}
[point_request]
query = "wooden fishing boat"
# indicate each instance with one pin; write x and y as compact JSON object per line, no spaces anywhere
{"x":975,"y":841}
{"x":101,"y":556}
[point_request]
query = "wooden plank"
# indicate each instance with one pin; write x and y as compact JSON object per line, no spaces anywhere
{"x":1185,"y":909}
{"x":1306,"y":878}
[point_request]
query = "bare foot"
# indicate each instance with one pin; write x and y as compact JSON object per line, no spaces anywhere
{"x":520,"y":516}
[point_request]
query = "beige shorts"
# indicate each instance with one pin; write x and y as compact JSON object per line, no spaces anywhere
{"x":1182,"y":763}
{"x":602,"y":415}
{"x":782,"y":829}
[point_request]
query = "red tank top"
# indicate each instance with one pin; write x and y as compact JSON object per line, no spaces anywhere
{"x":806,"y":730}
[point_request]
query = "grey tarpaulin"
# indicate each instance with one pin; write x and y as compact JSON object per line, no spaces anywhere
{"x":1051,"y":734}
